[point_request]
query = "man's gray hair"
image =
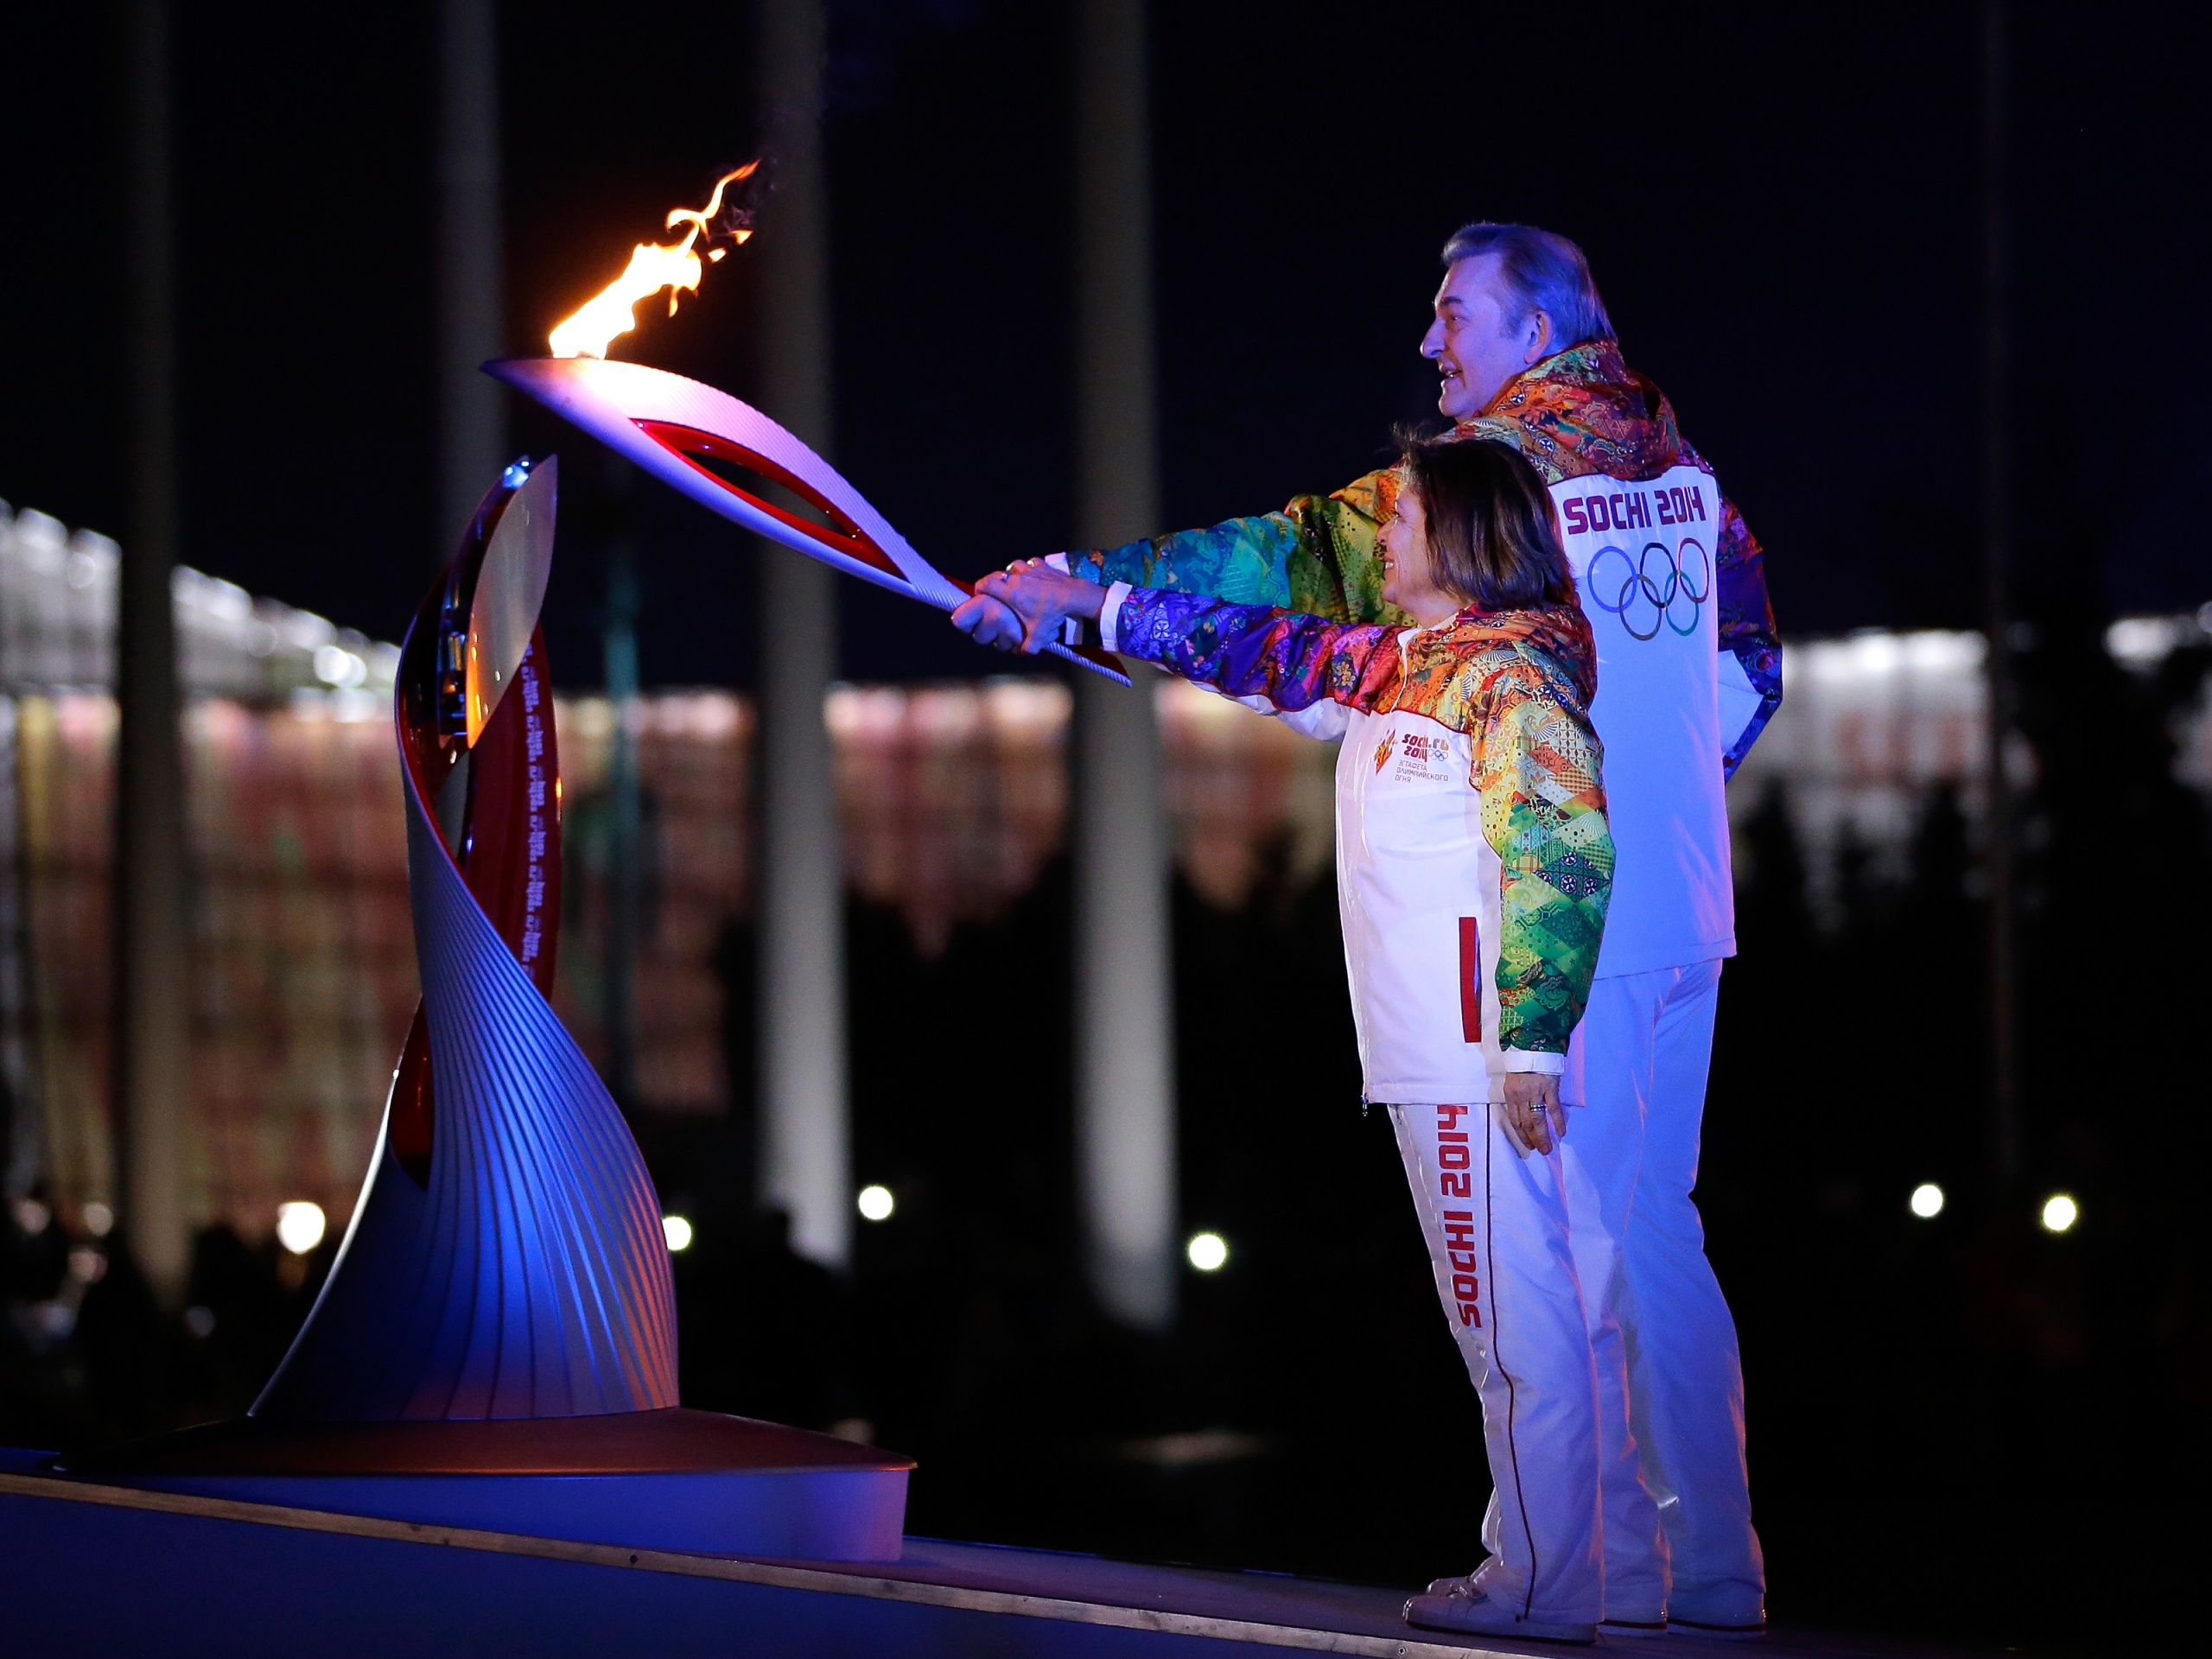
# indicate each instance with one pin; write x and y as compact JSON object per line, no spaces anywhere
{"x":1539,"y":271}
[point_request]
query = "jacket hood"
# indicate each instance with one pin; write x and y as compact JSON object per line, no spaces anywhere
{"x":1585,"y":411}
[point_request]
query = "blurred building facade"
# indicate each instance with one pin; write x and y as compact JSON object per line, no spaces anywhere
{"x":953,"y":801}
{"x":1875,"y":725}
{"x":303,"y":964}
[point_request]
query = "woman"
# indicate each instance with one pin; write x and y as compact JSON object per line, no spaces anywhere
{"x":1473,"y":867}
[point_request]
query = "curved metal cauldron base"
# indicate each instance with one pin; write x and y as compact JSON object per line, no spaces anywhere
{"x":675,"y":1480}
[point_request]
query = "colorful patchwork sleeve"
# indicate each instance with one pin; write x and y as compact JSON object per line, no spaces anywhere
{"x":1747,"y":626}
{"x":1544,"y":812}
{"x":1291,"y":659}
{"x":1316,"y":556}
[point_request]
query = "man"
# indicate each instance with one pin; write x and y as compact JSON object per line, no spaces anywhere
{"x":1689,"y":671}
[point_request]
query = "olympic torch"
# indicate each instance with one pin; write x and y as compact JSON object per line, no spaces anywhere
{"x":721,"y":453}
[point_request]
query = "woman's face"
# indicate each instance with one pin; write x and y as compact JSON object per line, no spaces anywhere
{"x":1409,"y":580}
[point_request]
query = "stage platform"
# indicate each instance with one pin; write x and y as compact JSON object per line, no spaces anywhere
{"x":94,"y":1570}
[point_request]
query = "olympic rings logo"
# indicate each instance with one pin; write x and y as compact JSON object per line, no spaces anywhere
{"x":1657,"y":587}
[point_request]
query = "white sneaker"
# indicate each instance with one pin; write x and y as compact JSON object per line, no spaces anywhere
{"x":1752,"y":1632}
{"x":1454,"y":1605}
{"x":1630,"y":1628}
{"x":1727,"y":1610}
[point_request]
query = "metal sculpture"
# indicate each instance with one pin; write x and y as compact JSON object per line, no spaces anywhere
{"x":505,"y":1259}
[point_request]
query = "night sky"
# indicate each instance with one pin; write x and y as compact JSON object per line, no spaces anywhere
{"x":1782,"y":205}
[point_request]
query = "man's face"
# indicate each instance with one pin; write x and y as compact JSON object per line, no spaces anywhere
{"x":1469,"y":343}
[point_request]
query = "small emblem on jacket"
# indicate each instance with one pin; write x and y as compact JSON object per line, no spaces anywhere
{"x":1422,"y":759}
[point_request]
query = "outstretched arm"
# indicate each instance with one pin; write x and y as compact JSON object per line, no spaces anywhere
{"x":1316,"y":556}
{"x":1289,"y":660}
{"x":1751,"y":666}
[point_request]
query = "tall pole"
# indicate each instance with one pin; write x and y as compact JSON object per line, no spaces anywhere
{"x":152,"y":1009}
{"x":805,"y":1136}
{"x":2004,"y":1082}
{"x":1125,"y":1071}
{"x":471,"y":430}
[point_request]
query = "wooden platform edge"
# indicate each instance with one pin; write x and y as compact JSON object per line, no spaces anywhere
{"x":776,"y":1574}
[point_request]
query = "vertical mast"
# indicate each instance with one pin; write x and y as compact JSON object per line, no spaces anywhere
{"x":152,"y":1008}
{"x":1125,"y":1060}
{"x":2004,"y":1127}
{"x":806,"y":1152}
{"x":472,"y":437}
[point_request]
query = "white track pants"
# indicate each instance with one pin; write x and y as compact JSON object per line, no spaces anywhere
{"x":1495,"y":1225}
{"x":1677,"y":1503}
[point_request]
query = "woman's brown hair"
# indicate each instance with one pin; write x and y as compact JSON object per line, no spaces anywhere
{"x":1492,"y":538}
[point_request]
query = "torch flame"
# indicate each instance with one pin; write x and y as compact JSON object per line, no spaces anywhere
{"x":676,"y":267}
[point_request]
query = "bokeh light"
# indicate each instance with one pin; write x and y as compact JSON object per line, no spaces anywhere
{"x":1207,"y":1251}
{"x":1927,"y":1200}
{"x":876,"y":1203}
{"x":300,"y":1225}
{"x":677,"y":1231}
{"x":2060,"y":1212}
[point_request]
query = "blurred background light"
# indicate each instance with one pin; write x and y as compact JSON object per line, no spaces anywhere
{"x":335,"y":665}
{"x":2060,"y":1212}
{"x":1207,"y":1251}
{"x":876,"y":1203}
{"x":98,"y":1219}
{"x":1927,"y":1200}
{"x":679,"y":1232}
{"x":300,"y":1225}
